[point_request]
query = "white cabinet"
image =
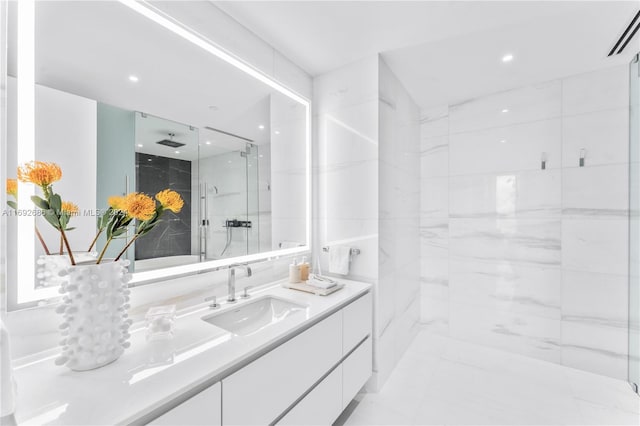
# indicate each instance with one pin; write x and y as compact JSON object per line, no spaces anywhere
{"x":356,"y":370}
{"x":201,"y":409}
{"x":356,"y":323}
{"x":263,"y":390}
{"x":321,"y":406}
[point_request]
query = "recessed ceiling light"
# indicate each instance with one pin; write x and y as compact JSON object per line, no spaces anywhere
{"x":229,"y":161}
{"x":140,"y":145}
{"x":261,"y":155}
{"x":261,"y":127}
{"x":507,"y":58}
{"x":277,"y":132}
{"x":177,"y":152}
{"x":149,"y":159}
{"x":503,"y":141}
{"x":505,"y":110}
{"x":208,"y":142}
{"x":133,"y":78}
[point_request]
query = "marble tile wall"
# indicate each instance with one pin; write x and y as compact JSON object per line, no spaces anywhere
{"x":529,"y":260}
{"x":367,"y":192}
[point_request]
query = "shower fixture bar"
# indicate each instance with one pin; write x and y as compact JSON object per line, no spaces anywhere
{"x":626,"y":36}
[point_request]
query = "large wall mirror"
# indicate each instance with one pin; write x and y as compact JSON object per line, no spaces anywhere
{"x":124,"y":98}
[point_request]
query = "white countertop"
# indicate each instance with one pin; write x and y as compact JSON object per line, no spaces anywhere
{"x":152,"y":376}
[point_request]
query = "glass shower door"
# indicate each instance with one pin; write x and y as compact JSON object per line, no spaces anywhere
{"x":634,"y":224}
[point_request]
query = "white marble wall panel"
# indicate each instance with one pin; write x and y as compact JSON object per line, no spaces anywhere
{"x":523,"y":105}
{"x":596,"y":91}
{"x":506,"y":149}
{"x":525,"y":241}
{"x":434,"y":156}
{"x":598,"y":192}
{"x":534,"y":193}
{"x":603,"y":134}
{"x":594,"y":245}
{"x":434,"y":197}
{"x":507,"y":286}
{"x":532,"y":261}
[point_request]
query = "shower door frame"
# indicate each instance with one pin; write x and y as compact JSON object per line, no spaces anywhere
{"x":633,"y":375}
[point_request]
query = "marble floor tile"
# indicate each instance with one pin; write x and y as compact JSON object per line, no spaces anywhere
{"x":443,"y":381}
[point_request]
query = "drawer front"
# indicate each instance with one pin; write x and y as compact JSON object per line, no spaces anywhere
{"x":321,"y":406}
{"x":356,"y":370}
{"x":201,"y":409}
{"x":357,"y":322}
{"x":264,"y":389}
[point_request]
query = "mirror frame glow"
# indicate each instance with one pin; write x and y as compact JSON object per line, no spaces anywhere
{"x":26,"y":291}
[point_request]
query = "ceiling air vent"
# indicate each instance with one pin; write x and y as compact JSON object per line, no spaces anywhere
{"x":626,"y":36}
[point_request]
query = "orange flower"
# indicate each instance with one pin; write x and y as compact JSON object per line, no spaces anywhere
{"x":140,"y":206}
{"x":117,"y":202}
{"x":69,"y":208}
{"x":12,"y":187}
{"x":40,"y":173}
{"x":170,"y":200}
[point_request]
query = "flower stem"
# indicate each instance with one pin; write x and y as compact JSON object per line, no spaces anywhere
{"x":127,"y":247}
{"x":61,"y":245}
{"x":104,"y":250}
{"x":66,"y":243}
{"x":44,"y":246}
{"x":95,"y":240}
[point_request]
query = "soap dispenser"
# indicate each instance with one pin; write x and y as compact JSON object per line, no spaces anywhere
{"x":294,"y":272}
{"x":304,"y":269}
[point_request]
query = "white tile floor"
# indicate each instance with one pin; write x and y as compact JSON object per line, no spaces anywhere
{"x":442,"y":381}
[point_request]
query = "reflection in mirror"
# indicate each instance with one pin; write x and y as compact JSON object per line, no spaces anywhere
{"x":144,"y":109}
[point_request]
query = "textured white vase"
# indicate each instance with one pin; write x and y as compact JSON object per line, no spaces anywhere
{"x":94,"y":306}
{"x":49,"y":267}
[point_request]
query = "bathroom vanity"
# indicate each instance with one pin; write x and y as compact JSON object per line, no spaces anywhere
{"x":280,"y":356}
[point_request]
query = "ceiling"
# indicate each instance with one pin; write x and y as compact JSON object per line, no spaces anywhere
{"x":445,"y":51}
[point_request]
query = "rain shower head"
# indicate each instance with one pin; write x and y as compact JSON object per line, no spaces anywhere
{"x":170,"y":142}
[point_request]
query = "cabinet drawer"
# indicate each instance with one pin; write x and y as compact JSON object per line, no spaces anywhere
{"x":356,"y":370}
{"x":321,"y":406}
{"x":357,"y":322}
{"x":201,"y":409}
{"x":261,"y":391}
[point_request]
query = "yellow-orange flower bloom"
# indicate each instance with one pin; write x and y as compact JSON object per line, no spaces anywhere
{"x":117,"y":202}
{"x":170,"y":200}
{"x":140,"y":206}
{"x":12,"y":187}
{"x":40,"y":173}
{"x":69,"y":208}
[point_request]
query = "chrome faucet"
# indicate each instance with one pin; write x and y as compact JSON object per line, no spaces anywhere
{"x":232,"y":280}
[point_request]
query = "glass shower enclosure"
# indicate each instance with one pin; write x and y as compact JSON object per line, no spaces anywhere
{"x":634,"y":224}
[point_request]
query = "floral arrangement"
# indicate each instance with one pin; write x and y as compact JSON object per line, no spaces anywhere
{"x":116,"y":220}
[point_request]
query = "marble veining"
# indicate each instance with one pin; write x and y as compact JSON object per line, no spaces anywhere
{"x":528,"y":260}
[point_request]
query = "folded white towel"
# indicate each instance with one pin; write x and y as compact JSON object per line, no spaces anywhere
{"x":339,"y":259}
{"x":321,"y":282}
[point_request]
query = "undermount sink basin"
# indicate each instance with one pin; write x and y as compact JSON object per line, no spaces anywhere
{"x":251,"y":317}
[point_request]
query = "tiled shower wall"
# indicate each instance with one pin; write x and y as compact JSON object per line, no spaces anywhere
{"x":529,"y":260}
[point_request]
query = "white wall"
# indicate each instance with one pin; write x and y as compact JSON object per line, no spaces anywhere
{"x":528,"y":260}
{"x":367,"y":187}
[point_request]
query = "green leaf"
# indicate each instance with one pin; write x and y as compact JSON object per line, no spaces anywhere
{"x":39,"y":202}
{"x":56,"y":202}
{"x":50,"y":216}
{"x":13,"y":205}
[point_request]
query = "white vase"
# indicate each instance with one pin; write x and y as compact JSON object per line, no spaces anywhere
{"x":94,"y":306}
{"x":49,"y":267}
